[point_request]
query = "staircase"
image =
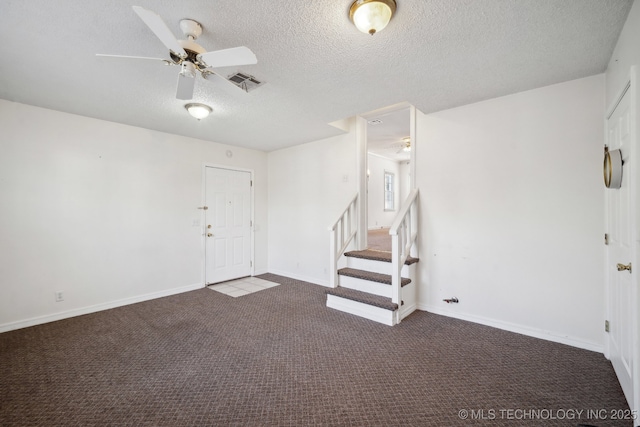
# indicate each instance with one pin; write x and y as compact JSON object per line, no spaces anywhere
{"x":372,"y":284}
{"x":365,"y":287}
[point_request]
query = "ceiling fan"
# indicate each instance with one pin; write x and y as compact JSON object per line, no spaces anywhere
{"x":405,"y":145}
{"x":190,"y":56}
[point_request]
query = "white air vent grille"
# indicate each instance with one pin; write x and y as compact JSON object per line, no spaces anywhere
{"x":245,"y":81}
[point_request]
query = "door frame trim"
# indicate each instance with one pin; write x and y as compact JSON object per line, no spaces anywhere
{"x":203,"y":230}
{"x":362,"y":161}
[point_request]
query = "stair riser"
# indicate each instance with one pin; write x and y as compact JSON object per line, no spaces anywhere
{"x":374,"y":266}
{"x":367,"y":311}
{"x":368,"y":286}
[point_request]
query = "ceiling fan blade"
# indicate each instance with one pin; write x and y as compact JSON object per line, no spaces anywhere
{"x":185,"y":87}
{"x":134,"y":57}
{"x":241,"y":55}
{"x":160,"y":29}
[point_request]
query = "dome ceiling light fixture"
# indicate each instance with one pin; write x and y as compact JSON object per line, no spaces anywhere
{"x":197,"y":110}
{"x":371,"y":16}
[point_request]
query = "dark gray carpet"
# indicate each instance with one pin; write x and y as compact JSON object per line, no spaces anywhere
{"x":280,"y":357}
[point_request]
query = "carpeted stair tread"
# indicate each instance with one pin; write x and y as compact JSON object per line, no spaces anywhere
{"x":363,"y":297}
{"x":373,"y":277}
{"x":378,"y":256}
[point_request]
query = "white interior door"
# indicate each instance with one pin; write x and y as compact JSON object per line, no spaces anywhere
{"x":620,"y":250}
{"x":227,"y":224}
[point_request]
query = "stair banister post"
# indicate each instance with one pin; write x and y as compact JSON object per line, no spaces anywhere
{"x":395,"y":274}
{"x":414,"y":247}
{"x":333,"y":273}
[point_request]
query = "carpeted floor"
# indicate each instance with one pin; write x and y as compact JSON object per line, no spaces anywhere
{"x":379,"y":239}
{"x":279,"y":357}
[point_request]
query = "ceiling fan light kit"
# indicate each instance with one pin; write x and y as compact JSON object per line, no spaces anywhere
{"x":372,"y":16}
{"x":197,"y":110}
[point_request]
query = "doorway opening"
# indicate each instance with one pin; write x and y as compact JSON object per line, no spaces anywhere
{"x":389,"y":144}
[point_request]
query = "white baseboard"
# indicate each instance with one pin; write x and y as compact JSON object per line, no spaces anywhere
{"x":94,"y":308}
{"x":512,"y":327}
{"x":314,"y":280}
{"x":407,"y":310}
{"x":259,"y":272}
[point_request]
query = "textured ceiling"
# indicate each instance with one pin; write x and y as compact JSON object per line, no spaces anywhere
{"x":318,"y":68}
{"x":385,"y":133}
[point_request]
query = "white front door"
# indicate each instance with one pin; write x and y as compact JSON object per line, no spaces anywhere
{"x":620,"y":250}
{"x":227,"y":224}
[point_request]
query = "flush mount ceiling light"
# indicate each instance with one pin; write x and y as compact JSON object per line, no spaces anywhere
{"x":371,"y":16}
{"x":199,"y":111}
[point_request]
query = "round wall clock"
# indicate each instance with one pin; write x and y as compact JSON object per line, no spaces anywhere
{"x":612,"y":168}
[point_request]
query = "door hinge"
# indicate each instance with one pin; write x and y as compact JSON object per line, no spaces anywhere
{"x":250,"y":263}
{"x":606,"y":238}
{"x":606,"y":326}
{"x":251,"y":183}
{"x":250,"y":223}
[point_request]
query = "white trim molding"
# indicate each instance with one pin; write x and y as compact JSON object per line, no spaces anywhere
{"x":518,"y":329}
{"x":95,"y":308}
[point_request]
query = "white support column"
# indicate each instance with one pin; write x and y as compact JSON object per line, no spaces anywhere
{"x":414,"y":146}
{"x":361,"y":160}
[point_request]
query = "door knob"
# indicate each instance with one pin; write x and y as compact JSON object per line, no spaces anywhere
{"x":209,"y":235}
{"x":209,"y":226}
{"x":622,"y":267}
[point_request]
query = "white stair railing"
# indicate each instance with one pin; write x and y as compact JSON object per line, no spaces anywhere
{"x":404,"y":232}
{"x":342,"y":233}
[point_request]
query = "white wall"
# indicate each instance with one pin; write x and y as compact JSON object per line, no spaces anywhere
{"x":405,"y":180}
{"x":625,"y":54}
{"x":377,"y":166}
{"x":103,"y":212}
{"x":309,"y":187}
{"x":512,"y":212}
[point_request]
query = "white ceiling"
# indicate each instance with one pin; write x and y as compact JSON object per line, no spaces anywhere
{"x":318,"y":68}
{"x":385,"y":133}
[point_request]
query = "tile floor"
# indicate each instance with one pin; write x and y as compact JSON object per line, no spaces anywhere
{"x":244,"y":286}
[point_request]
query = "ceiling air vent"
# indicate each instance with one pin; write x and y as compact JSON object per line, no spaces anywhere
{"x":375,"y":122}
{"x":244,"y":81}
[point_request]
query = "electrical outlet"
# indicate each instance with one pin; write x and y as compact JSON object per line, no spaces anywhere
{"x":59,"y":296}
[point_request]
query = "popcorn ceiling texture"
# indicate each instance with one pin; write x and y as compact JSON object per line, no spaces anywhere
{"x":317,"y":66}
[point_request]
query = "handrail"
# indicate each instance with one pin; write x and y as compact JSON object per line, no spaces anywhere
{"x":404,"y":232}
{"x":340,"y":238}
